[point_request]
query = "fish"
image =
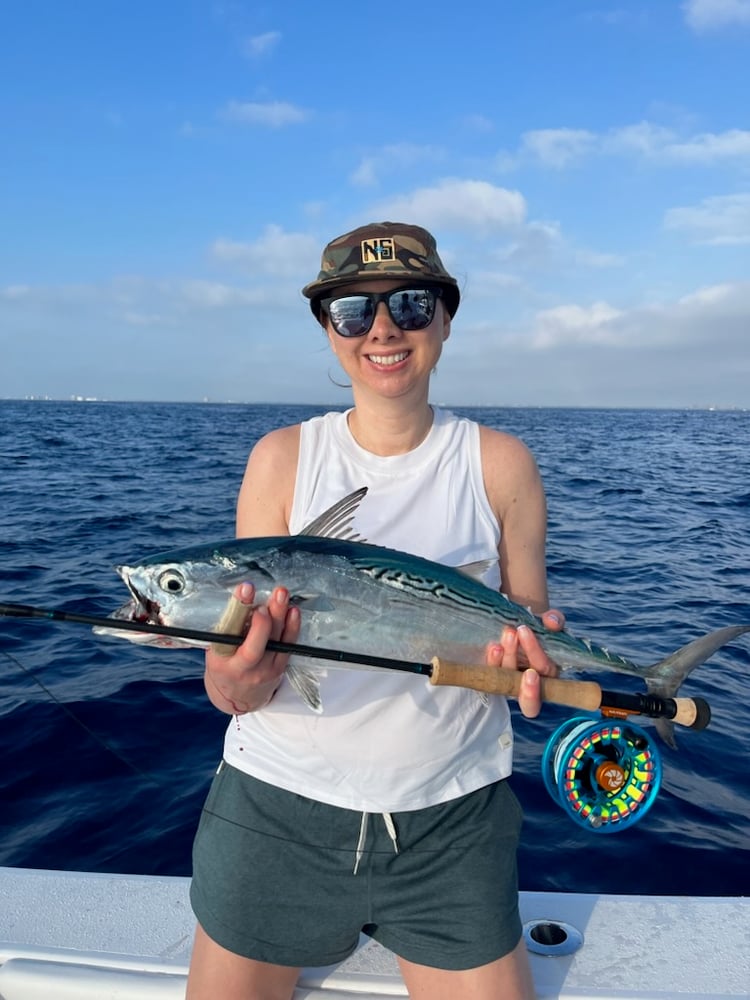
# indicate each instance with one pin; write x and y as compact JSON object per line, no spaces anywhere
{"x":365,"y":598}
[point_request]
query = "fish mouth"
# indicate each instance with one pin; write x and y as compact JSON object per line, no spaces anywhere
{"x":142,"y":609}
{"x":138,"y":610}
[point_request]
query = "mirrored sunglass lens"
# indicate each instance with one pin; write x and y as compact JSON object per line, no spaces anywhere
{"x":351,"y":315}
{"x":412,"y":308}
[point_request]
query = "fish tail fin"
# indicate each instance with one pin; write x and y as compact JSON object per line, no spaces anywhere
{"x":666,"y":677}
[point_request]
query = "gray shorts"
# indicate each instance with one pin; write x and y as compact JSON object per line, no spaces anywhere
{"x":274,"y":876}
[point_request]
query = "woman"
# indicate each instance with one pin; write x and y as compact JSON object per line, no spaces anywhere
{"x":389,"y":812}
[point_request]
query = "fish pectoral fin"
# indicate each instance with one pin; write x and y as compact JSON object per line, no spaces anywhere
{"x":476,"y":570}
{"x":336,"y":521}
{"x":305,"y":683}
{"x":312,"y":602}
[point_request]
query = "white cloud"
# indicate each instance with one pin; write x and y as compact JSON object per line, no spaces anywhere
{"x":706,"y":317}
{"x":486,"y":284}
{"x":594,"y":259}
{"x":14,"y":292}
{"x":210,"y":294}
{"x":709,"y":147}
{"x":275,"y":252}
{"x":708,"y":297}
{"x":709,"y":15}
{"x":643,"y":138}
{"x":61,"y":297}
{"x":366,"y":174}
{"x":458,"y":205}
{"x":575,"y":324}
{"x":389,"y":159}
{"x":479,"y":123}
{"x":562,"y":147}
{"x":558,"y":147}
{"x":273,"y":114}
{"x":135,"y":299}
{"x":721,"y":220}
{"x":662,"y":144}
{"x":532,"y":246}
{"x":261,"y":45}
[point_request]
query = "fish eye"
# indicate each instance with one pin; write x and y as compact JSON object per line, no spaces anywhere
{"x":172,"y":580}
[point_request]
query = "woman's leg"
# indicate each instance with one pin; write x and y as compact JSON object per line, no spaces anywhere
{"x":216,"y":972}
{"x":508,"y":978}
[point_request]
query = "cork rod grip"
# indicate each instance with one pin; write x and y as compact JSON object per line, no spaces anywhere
{"x":692,"y":712}
{"x":494,"y":680}
{"x":232,"y":622}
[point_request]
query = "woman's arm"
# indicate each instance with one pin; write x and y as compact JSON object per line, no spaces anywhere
{"x":516,"y":495}
{"x":247,"y":679}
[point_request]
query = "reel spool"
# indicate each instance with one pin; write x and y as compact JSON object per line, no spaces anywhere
{"x":604,"y":774}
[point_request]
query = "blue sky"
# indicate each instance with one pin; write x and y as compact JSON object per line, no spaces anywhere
{"x":170,"y":171}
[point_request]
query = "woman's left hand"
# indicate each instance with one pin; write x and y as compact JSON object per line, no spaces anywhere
{"x":521,"y":644}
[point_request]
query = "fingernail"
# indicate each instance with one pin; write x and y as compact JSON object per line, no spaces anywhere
{"x":246,"y":592}
{"x":554,"y":617}
{"x":281,"y":595}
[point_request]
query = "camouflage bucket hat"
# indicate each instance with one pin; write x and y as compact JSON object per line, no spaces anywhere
{"x":382,"y":250}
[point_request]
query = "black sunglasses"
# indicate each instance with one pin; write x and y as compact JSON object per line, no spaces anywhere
{"x":410,"y":309}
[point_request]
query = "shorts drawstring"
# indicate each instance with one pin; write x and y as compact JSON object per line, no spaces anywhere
{"x":392,"y":833}
{"x":391,"y":828}
{"x":361,"y":842}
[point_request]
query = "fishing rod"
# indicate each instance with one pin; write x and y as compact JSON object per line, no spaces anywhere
{"x":694,"y":713}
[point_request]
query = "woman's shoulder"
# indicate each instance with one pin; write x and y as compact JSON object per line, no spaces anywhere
{"x":274,"y":457}
{"x":265,"y":500}
{"x":277,"y":443}
{"x":501,"y":445}
{"x":508,"y":466}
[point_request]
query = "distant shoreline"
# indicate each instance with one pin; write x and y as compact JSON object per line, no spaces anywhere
{"x":75,"y":400}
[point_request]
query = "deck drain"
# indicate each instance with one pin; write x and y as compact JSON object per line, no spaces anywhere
{"x":551,"y":937}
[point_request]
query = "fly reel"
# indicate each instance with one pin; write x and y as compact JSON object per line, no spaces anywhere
{"x":604,"y":774}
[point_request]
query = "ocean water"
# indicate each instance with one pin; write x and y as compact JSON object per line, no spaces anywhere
{"x":107,"y":749}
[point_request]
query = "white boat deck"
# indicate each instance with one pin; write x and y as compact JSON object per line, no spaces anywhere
{"x":77,"y":936}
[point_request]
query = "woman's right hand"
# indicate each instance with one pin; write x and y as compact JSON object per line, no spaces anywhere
{"x":248,"y":679}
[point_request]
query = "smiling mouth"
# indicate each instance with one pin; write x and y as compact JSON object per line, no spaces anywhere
{"x":386,"y":360}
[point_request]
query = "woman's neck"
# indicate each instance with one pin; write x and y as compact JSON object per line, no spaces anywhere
{"x":390,"y":427}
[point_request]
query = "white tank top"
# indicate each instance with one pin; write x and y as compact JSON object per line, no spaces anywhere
{"x":386,"y":742}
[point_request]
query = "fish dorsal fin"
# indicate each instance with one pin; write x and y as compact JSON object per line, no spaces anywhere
{"x":336,"y":521}
{"x":476,"y":570}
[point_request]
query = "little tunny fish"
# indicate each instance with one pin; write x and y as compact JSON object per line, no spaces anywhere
{"x":367,"y":599}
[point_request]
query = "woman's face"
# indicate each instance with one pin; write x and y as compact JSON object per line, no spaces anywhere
{"x":387,"y":359}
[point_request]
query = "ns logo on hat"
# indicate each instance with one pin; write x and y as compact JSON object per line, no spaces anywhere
{"x":375,"y":250}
